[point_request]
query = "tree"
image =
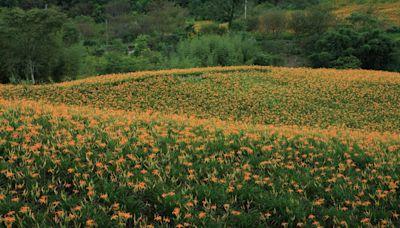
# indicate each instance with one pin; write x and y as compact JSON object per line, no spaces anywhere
{"x":308,"y":25}
{"x":294,"y":4}
{"x":30,"y":4}
{"x":349,"y":48}
{"x":87,"y":27}
{"x":274,"y":21}
{"x":164,"y":17}
{"x":8,"y":3}
{"x":314,"y":20}
{"x":214,"y":50}
{"x":117,"y":8}
{"x":32,"y":43}
{"x":363,"y":21}
{"x":70,"y":34}
{"x":220,"y":10}
{"x":376,"y":49}
{"x":141,"y":45}
{"x":123,"y":27}
{"x":139,"y":6}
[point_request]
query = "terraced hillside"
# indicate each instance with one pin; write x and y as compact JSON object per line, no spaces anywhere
{"x":150,"y":149}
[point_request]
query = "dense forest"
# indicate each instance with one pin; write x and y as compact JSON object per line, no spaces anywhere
{"x":53,"y":40}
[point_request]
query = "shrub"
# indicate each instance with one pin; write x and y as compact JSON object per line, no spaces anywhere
{"x":273,"y":22}
{"x":70,"y":63}
{"x":349,"y":48}
{"x":209,"y":27}
{"x":214,"y":50}
{"x":265,"y":59}
{"x":34,"y":46}
{"x":347,"y":62}
{"x":312,"y":21}
{"x":240,"y":25}
{"x":212,"y":28}
{"x":322,"y":59}
{"x":115,"y":62}
{"x":393,"y":29}
{"x":363,"y":20}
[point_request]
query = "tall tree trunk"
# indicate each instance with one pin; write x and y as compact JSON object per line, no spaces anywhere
{"x":245,"y":9}
{"x":231,"y":14}
{"x":32,"y":71}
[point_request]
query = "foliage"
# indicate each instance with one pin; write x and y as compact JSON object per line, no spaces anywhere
{"x":292,"y":4}
{"x":114,"y":62}
{"x":268,"y":60}
{"x":220,"y":10}
{"x":349,"y":48}
{"x":70,"y":63}
{"x":141,"y":45}
{"x":273,"y":22}
{"x":214,"y":50}
{"x":87,"y":27}
{"x":117,"y":8}
{"x":346,"y":62}
{"x":33,"y":44}
{"x":363,"y":21}
{"x":211,"y":28}
{"x":124,"y":27}
{"x":91,"y":31}
{"x":164,"y":17}
{"x":312,"y":21}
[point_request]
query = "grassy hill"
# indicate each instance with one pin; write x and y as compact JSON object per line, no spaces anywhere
{"x":150,"y":148}
{"x":281,"y":96}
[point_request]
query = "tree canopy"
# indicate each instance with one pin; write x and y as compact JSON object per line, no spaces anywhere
{"x":33,"y":44}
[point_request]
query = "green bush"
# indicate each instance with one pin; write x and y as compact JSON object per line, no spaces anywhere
{"x":70,"y":63}
{"x":214,"y":50}
{"x":350,"y":48}
{"x":312,"y":21}
{"x":363,"y":20}
{"x":265,"y":59}
{"x":241,"y":25}
{"x":322,"y":59}
{"x":393,"y":29}
{"x":274,"y":21}
{"x":117,"y":63}
{"x":37,"y":45}
{"x":212,"y":28}
{"x":347,"y":62}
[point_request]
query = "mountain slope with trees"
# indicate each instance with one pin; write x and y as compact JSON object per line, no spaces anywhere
{"x":51,"y":40}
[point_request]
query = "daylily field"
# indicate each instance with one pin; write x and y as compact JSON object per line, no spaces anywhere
{"x":212,"y":147}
